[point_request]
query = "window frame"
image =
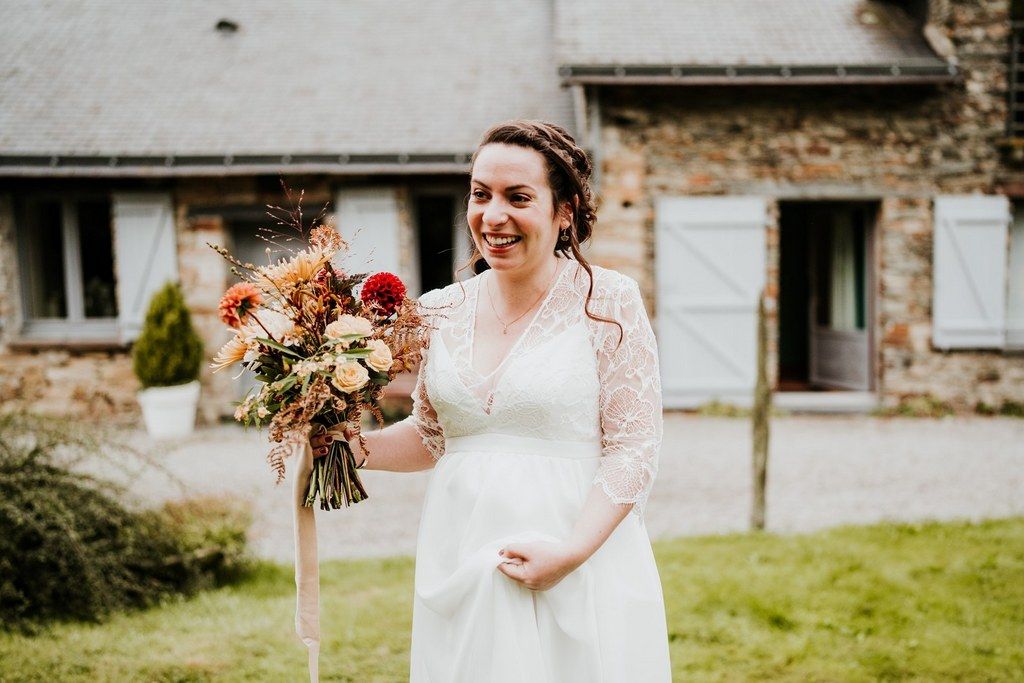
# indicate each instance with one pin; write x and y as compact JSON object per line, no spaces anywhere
{"x":74,"y":328}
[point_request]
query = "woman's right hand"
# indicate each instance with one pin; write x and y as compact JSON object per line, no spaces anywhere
{"x":321,"y":439}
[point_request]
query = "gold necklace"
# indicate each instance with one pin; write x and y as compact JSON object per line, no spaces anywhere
{"x":505,"y":325}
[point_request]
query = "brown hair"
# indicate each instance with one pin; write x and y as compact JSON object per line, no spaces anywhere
{"x":569,"y":169}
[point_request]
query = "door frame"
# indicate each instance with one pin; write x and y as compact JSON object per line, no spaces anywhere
{"x":872,"y":262}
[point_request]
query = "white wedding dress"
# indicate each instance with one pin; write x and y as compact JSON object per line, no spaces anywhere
{"x":518,"y":452}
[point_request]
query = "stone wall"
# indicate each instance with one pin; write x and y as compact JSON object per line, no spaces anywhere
{"x":84,"y":382}
{"x":899,"y":146}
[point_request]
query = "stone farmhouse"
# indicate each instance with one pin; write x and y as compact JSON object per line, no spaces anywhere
{"x":861,"y":162}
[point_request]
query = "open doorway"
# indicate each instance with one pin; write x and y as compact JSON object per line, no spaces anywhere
{"x":825,"y":302}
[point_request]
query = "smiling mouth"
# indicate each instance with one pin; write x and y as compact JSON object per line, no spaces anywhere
{"x":502,"y":241}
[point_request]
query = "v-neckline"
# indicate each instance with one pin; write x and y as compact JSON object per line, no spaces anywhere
{"x":515,"y":345}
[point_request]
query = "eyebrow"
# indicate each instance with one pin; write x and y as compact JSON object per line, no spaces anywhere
{"x":508,"y":189}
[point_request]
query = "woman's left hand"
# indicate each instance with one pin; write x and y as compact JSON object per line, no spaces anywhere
{"x":539,"y":565}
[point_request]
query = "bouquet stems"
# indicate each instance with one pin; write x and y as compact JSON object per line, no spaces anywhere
{"x":335,"y":479}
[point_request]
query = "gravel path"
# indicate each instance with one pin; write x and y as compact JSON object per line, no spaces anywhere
{"x":822,"y":471}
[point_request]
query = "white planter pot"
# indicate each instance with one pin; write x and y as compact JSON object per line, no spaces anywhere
{"x":170,"y":411}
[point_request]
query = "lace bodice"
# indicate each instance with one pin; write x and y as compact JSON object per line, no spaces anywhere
{"x":566,"y":377}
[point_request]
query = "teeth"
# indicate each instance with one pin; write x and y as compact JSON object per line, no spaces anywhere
{"x":499,"y":241}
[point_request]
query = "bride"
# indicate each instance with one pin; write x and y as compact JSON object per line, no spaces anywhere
{"x":538,"y":407}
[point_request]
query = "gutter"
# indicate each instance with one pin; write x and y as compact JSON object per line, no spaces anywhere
{"x":901,"y":73}
{"x":164,"y":165}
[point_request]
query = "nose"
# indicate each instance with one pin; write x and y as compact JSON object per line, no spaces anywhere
{"x":495,"y":213}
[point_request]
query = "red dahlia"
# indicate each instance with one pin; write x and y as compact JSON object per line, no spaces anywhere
{"x":383,"y":292}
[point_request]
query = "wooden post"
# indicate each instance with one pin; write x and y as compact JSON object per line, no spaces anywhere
{"x":760,"y":416}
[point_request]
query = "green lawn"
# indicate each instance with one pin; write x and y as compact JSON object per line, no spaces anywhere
{"x":908,"y":602}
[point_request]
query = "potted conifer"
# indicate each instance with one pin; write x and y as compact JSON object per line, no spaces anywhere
{"x":166,"y":358}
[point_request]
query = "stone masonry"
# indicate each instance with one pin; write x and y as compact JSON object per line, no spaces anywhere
{"x":897,"y":146}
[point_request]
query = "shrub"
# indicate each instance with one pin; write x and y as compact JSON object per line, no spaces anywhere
{"x":1012,"y":408}
{"x":70,"y":550}
{"x":916,"y":405}
{"x":169,"y":351}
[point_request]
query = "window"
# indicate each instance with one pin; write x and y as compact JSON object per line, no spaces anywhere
{"x":67,"y":268}
{"x":976,"y":284}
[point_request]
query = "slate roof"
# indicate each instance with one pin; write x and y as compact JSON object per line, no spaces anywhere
{"x":346,"y":76}
{"x":115,"y":83}
{"x":720,"y":32}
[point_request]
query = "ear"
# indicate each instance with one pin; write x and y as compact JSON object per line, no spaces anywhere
{"x":565,"y":214}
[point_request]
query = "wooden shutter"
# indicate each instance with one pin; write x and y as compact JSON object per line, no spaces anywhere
{"x":369,"y":220}
{"x":145,"y":254}
{"x":969,"y":271}
{"x":710,"y":268}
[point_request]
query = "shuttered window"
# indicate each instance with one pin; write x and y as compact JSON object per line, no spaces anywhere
{"x":1015,"y":281}
{"x":969,"y":271}
{"x":146,"y":254}
{"x":710,"y":271}
{"x":66,"y":260}
{"x":370,"y":221}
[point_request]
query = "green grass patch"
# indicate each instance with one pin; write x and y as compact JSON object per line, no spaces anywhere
{"x":915,"y":602}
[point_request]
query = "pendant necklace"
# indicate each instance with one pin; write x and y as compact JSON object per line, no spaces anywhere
{"x":505,"y":325}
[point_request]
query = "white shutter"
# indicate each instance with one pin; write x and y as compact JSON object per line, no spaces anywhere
{"x":969,"y":271}
{"x":710,"y":268}
{"x":145,"y":254}
{"x":369,"y":220}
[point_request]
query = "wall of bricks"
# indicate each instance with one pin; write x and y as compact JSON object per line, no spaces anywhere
{"x":897,"y":146}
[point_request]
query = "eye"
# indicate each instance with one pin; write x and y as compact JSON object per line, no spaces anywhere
{"x":478,"y":194}
{"x":520,"y":198}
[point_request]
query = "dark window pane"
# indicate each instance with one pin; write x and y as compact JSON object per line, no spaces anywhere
{"x":435,"y":218}
{"x":45,"y":246}
{"x":94,"y":238}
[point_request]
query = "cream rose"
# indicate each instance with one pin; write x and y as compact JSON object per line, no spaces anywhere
{"x":380,"y":355}
{"x":348,"y":324}
{"x":350,"y":376}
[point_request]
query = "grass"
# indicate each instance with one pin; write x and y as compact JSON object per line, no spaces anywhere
{"x":917,"y":602}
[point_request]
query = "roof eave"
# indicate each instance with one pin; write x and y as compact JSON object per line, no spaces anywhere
{"x":929,"y":71}
{"x":165,"y":166}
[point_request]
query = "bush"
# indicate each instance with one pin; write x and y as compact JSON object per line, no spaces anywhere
{"x":169,"y":351}
{"x":70,"y":550}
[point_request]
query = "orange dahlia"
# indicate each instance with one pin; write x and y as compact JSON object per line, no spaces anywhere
{"x":237,"y":303}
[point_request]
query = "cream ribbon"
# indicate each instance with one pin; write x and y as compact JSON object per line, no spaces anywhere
{"x":307,"y":567}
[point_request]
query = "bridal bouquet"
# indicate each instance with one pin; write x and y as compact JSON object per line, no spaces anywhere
{"x":322,"y":353}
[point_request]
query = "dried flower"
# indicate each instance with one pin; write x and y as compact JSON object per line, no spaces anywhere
{"x":383,"y":292}
{"x":289,"y":273}
{"x":237,"y":303}
{"x":327,"y":238}
{"x":231,"y":352}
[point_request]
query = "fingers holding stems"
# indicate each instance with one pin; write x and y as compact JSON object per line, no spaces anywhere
{"x":321,"y":440}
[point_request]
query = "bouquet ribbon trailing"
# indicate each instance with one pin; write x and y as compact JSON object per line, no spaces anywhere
{"x":307,"y":568}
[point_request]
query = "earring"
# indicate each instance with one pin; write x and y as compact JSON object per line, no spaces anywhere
{"x":565,"y":236}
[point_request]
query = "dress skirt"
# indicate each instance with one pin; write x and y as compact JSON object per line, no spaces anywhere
{"x":602,"y":623}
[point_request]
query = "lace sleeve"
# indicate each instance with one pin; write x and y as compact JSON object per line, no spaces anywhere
{"x":423,"y":416}
{"x":631,"y":403}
